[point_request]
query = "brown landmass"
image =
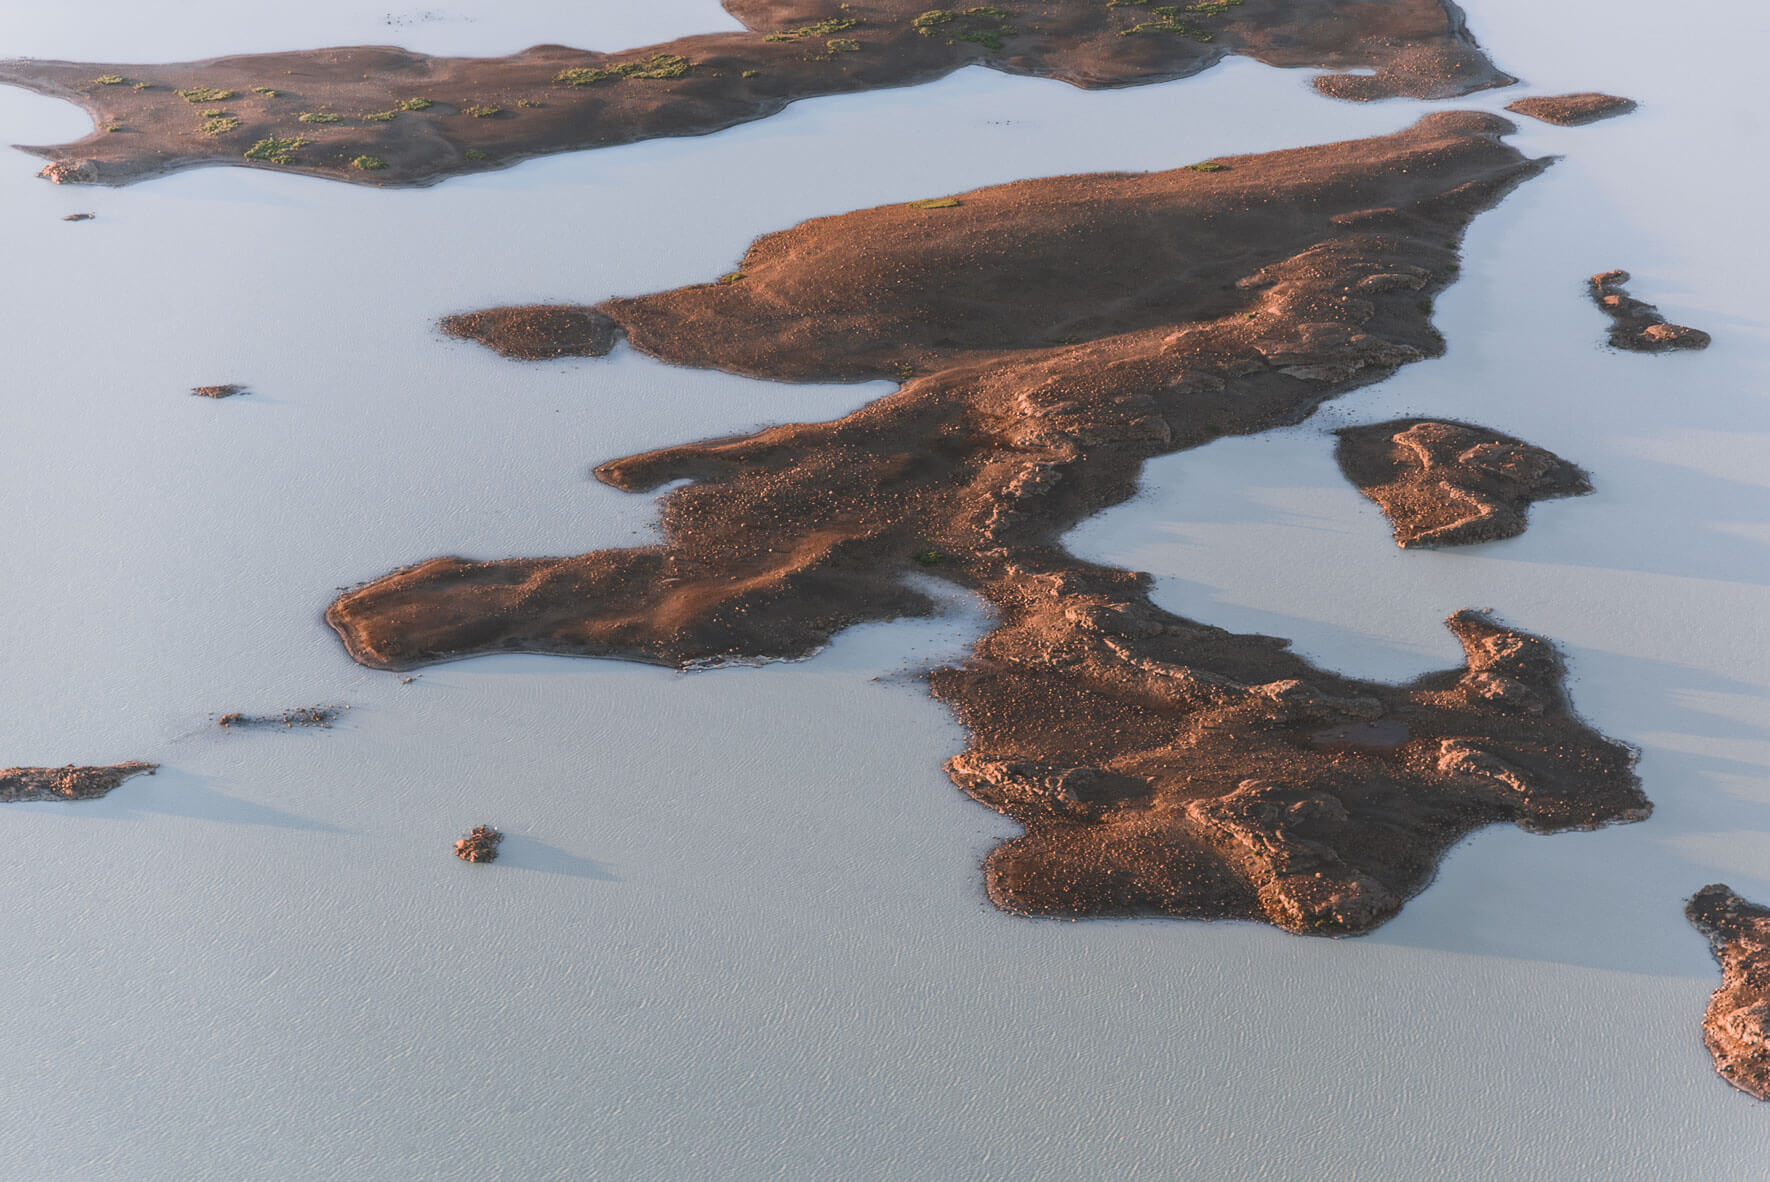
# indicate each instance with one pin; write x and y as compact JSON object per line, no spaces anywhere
{"x":1450,"y":484}
{"x":380,"y":115}
{"x":1636,"y":325}
{"x":1570,"y":110}
{"x":1052,"y":335}
{"x":536,"y":332}
{"x":1736,"y":1027}
{"x":67,"y":783}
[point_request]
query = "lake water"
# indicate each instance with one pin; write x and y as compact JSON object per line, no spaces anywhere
{"x":738,"y":929}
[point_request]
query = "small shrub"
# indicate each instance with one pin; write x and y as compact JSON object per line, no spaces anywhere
{"x":842,"y":45}
{"x":1208,"y":166}
{"x":930,"y":557}
{"x":220,"y":125}
{"x":416,"y":104}
{"x":985,"y":26}
{"x":474,"y":154}
{"x":276,"y":150}
{"x":527,"y":103}
{"x":141,"y":86}
{"x":935,"y":203}
{"x":207,"y":94}
{"x":109,"y":79}
{"x":318,"y":117}
{"x":379,"y":116}
{"x":731,"y":277}
{"x":749,"y":73}
{"x":483,"y":111}
{"x":267,"y":92}
{"x":659,"y":66}
{"x":369,"y":163}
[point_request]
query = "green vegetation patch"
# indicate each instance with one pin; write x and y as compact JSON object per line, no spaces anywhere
{"x":220,"y":124}
{"x":731,"y":277}
{"x":474,"y":154}
{"x":483,"y":110}
{"x":1208,"y":166}
{"x":842,"y":45}
{"x":657,"y":67}
{"x":416,"y":104}
{"x":369,"y":163}
{"x":823,"y":28}
{"x":749,"y":73}
{"x":276,"y":149}
{"x":380,"y":116}
{"x":141,"y":86}
{"x":267,"y":92}
{"x":1170,"y":17}
{"x":109,"y":79}
{"x":319,"y":117}
{"x":985,"y":26}
{"x":936,"y":203}
{"x":930,"y":557}
{"x":207,"y":94}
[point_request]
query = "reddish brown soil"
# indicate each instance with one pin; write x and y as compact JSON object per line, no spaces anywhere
{"x":1060,"y":332}
{"x":536,"y":332}
{"x":485,"y":112}
{"x":1570,"y":110}
{"x":66,"y":783}
{"x":1450,"y":484}
{"x":1636,"y":325}
{"x":1737,"y":1024}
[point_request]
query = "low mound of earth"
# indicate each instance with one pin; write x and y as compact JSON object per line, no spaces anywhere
{"x":67,"y":783}
{"x":1571,"y":110}
{"x":380,"y":115}
{"x":1450,"y":484}
{"x":1056,"y":334}
{"x":536,"y":332}
{"x":301,"y":716}
{"x":1636,"y":325}
{"x":1737,"y":1024}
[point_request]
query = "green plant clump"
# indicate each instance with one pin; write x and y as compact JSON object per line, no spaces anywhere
{"x":1170,"y":21}
{"x":369,"y":163}
{"x":416,"y":104}
{"x":141,"y":86}
{"x":109,"y":79}
{"x":380,"y":116}
{"x":823,"y":28}
{"x":220,"y":125}
{"x":985,"y":26}
{"x":318,"y":117}
{"x":930,"y":557}
{"x":483,"y":110}
{"x":935,"y":203}
{"x":842,"y":45}
{"x":275,"y":149}
{"x":474,"y":154}
{"x":1208,"y":166}
{"x":731,"y":277}
{"x":206,"y":94}
{"x":749,"y":73}
{"x":267,"y":92}
{"x":658,"y":67}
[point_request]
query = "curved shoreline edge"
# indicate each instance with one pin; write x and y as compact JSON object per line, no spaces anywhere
{"x":1051,"y":336}
{"x":380,"y":115}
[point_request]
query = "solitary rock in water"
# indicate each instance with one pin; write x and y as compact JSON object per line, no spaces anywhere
{"x":1737,"y":1024}
{"x":227,"y":391}
{"x":480,"y":845}
{"x":67,"y":783}
{"x":1570,"y":110}
{"x":1637,"y":325}
{"x":79,"y":217}
{"x":1447,"y":484}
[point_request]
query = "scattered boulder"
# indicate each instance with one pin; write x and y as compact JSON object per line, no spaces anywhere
{"x":227,"y":391}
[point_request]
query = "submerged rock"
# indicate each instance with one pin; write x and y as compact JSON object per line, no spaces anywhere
{"x":227,"y":391}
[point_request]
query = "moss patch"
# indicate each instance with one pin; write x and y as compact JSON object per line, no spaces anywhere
{"x":276,"y":149}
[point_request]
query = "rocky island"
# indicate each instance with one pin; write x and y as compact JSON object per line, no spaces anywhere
{"x":1050,"y":336}
{"x":381,"y":115}
{"x":1573,"y":110}
{"x":1450,"y":484}
{"x":1737,"y":1024}
{"x":67,"y":783}
{"x":1636,"y":325}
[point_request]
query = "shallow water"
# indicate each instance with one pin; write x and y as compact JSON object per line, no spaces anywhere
{"x":737,"y":929}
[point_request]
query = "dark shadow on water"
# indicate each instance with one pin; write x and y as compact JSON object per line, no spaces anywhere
{"x":174,"y":792}
{"x":520,"y":852}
